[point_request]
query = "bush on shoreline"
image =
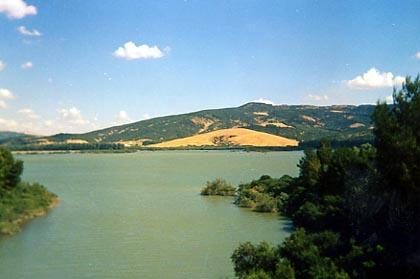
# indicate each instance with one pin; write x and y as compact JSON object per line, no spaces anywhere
{"x":218,"y":187}
{"x":265,"y":194}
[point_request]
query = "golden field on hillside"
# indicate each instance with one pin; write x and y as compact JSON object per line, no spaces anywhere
{"x":231,"y":137}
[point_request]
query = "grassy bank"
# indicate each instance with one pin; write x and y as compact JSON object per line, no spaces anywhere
{"x":22,"y":204}
{"x":19,"y":201}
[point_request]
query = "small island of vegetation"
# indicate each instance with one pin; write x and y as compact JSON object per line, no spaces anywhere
{"x":19,"y":201}
{"x":218,"y":187}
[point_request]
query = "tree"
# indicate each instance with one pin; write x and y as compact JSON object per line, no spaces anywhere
{"x":310,"y":166}
{"x":10,"y":169}
{"x":397,"y":139}
{"x":249,"y":259}
{"x":18,"y":200}
{"x":356,"y":211}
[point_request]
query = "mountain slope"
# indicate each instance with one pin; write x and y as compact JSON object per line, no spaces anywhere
{"x":9,"y":136}
{"x":301,"y":123}
{"x":230,"y":137}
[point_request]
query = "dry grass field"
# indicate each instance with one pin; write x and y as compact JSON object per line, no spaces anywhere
{"x":232,"y":137}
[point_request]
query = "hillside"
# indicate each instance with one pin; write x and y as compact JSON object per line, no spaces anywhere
{"x":302,"y":123}
{"x":230,"y":137}
{"x":13,"y":136}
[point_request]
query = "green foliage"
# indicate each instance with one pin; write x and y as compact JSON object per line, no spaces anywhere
{"x":317,"y":198}
{"x":258,"y":275}
{"x":218,"y":187}
{"x":22,"y":200}
{"x":397,"y":138}
{"x":355,"y":210}
{"x":284,"y":270}
{"x":18,"y":200}
{"x":312,"y":255}
{"x":265,"y":194}
{"x":10,"y":169}
{"x":397,"y":132}
{"x":249,"y":259}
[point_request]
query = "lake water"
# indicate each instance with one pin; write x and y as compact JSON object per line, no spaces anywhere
{"x":140,"y":215}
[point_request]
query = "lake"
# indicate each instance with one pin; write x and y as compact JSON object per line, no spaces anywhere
{"x":140,"y":215}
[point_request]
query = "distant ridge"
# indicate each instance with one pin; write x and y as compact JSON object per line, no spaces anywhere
{"x":6,"y":136}
{"x":301,"y":123}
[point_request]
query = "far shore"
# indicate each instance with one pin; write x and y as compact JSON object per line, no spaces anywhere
{"x":44,"y":151}
{"x":182,"y":148}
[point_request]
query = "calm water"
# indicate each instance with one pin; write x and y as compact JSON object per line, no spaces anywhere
{"x":140,"y":215}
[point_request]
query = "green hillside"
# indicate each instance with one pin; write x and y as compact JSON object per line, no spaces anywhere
{"x":13,"y":136}
{"x":302,"y":122}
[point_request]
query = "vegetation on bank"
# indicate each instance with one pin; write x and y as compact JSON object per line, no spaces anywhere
{"x":87,"y":147}
{"x":265,"y":194}
{"x":218,"y":187}
{"x":354,"y":210}
{"x":19,"y":201}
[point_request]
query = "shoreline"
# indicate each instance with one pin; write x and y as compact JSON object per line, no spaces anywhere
{"x":159,"y":149}
{"x":13,"y":227}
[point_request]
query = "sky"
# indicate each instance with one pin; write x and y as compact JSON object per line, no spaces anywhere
{"x":72,"y":66}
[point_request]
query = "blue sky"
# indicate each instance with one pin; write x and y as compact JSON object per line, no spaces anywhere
{"x":75,"y":66}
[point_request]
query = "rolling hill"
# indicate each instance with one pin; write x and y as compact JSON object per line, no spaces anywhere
{"x":230,"y":137}
{"x":6,"y":137}
{"x":299,"y":123}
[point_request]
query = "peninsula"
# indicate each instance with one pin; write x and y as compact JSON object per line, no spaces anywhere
{"x":20,"y":201}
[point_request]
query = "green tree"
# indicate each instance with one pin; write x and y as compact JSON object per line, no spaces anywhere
{"x":356,"y":210}
{"x":249,"y":259}
{"x":10,"y":169}
{"x":258,"y":275}
{"x":309,"y":166}
{"x":397,"y":139}
{"x":18,"y":200}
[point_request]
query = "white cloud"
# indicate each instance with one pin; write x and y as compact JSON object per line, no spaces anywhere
{"x":389,"y":99}
{"x":373,"y":79}
{"x":130,"y":51}
{"x":2,"y":66}
{"x":24,"y":31}
{"x":3,"y":104}
{"x":418,"y":55}
{"x":72,"y":116}
{"x":29,"y":113}
{"x":27,"y":65}
{"x":6,"y":94}
{"x":264,"y":101}
{"x":122,"y":118}
{"x":398,"y":80}
{"x":318,"y":97}
{"x":7,"y":124}
{"x":16,"y":8}
{"x":49,"y":123}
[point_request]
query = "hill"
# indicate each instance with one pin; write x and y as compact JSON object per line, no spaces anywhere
{"x":230,"y":137}
{"x":13,"y":136}
{"x":302,"y":123}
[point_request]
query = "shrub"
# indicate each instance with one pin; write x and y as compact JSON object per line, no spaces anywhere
{"x":218,"y":187}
